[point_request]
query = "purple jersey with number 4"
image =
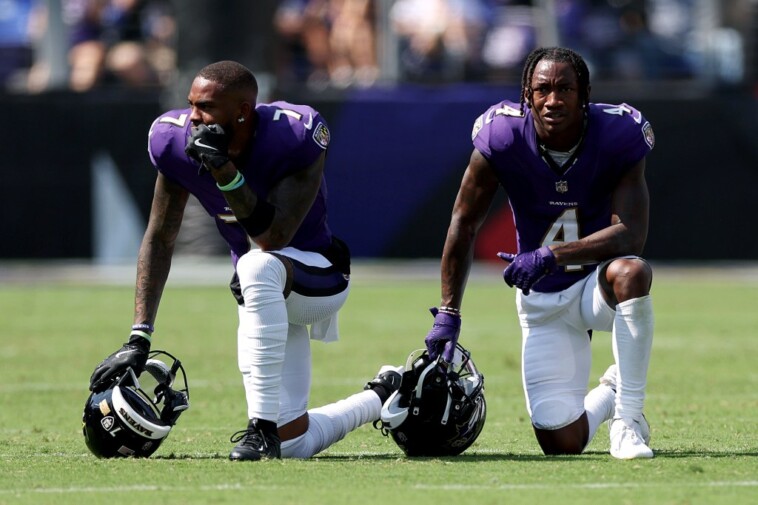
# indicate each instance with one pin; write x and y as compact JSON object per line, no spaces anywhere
{"x":549,"y":208}
{"x":288,"y":139}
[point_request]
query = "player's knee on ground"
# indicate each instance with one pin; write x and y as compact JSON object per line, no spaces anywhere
{"x":552,"y":414}
{"x":319,"y":436}
{"x":554,"y":424}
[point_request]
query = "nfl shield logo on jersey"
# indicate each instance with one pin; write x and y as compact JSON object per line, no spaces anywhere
{"x":561,"y":186}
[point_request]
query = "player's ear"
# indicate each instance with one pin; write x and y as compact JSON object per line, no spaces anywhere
{"x":528,"y":98}
{"x":245,"y":110}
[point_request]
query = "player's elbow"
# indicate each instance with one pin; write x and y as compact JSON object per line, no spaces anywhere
{"x":637,"y":243}
{"x":273,"y":239}
{"x":267,"y":243}
{"x":629,"y":240}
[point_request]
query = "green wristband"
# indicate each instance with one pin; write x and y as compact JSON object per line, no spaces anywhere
{"x":235,"y":183}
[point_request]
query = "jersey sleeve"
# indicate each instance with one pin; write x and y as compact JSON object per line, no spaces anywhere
{"x":299,"y":131}
{"x":630,"y":135}
{"x":167,"y":138}
{"x":493,"y":131}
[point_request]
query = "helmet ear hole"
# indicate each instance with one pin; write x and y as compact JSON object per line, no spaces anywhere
{"x":439,"y":409}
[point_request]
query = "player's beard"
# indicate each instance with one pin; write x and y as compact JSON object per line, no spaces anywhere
{"x":235,"y":151}
{"x":230,"y":128}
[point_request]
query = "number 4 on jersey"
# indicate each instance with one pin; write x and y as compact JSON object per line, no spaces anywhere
{"x":620,"y":110}
{"x":564,"y":229}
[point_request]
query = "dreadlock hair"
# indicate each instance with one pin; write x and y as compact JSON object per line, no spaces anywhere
{"x":232,"y":76}
{"x":558,"y":54}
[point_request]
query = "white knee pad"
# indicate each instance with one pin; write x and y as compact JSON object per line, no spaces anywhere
{"x":553,"y":414}
{"x":261,"y":276}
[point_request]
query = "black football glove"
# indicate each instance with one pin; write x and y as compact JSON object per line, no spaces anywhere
{"x":133,"y":354}
{"x":209,"y":145}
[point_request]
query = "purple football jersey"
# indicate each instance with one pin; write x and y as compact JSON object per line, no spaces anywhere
{"x":549,"y":208}
{"x":288,"y":139}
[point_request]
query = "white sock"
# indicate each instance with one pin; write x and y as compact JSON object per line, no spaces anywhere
{"x":599,"y":405}
{"x":632,"y":341}
{"x":329,"y":424}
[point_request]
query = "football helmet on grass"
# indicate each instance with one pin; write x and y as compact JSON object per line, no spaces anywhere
{"x":132,"y":419}
{"x":439,"y":409}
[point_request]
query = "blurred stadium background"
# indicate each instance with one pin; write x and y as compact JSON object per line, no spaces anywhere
{"x":400,"y":82}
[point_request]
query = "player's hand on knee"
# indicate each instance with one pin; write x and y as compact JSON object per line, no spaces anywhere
{"x":526,"y":269}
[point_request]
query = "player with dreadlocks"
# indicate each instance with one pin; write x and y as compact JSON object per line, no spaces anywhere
{"x":562,"y":55}
{"x":574,"y":173}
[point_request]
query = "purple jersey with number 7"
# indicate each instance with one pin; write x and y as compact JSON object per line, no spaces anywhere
{"x":288,"y":138}
{"x":549,"y":207}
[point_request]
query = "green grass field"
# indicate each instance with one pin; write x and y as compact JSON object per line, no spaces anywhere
{"x":702,"y":402}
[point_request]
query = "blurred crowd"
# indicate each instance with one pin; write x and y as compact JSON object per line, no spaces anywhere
{"x":359,"y":43}
{"x":129,"y":42}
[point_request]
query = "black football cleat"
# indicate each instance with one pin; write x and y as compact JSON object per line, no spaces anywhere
{"x":386,"y":382}
{"x":259,"y":441}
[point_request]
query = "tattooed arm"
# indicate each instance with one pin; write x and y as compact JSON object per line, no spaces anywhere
{"x":154,"y":261}
{"x":291,"y":199}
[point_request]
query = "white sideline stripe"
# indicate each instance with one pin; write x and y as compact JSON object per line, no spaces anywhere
{"x":448,"y":487}
{"x":123,"y":489}
{"x":608,"y":485}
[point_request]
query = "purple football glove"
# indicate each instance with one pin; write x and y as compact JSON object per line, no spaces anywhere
{"x":527,"y":268}
{"x":443,"y":336}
